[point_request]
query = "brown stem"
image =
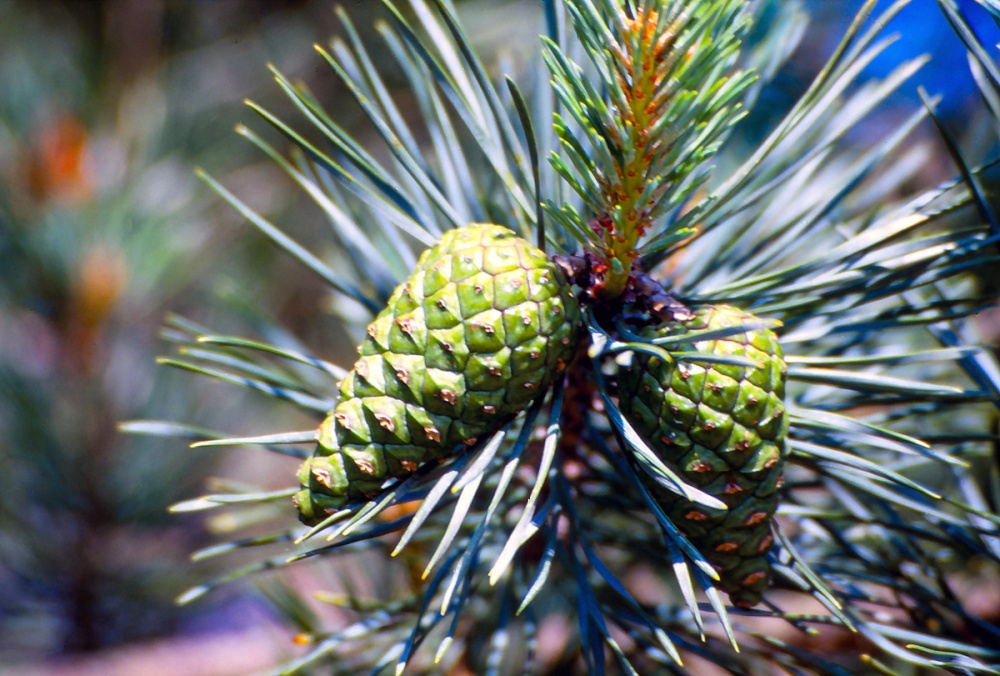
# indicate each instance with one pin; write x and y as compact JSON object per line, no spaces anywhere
{"x":577,"y":402}
{"x":644,"y":291}
{"x":656,"y":300}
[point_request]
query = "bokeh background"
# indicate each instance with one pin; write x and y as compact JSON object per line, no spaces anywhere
{"x":106,"y":108}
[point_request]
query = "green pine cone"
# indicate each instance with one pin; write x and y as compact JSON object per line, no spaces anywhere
{"x":483,"y":326}
{"x":722,"y":427}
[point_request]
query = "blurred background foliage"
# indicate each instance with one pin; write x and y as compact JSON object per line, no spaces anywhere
{"x":106,"y":108}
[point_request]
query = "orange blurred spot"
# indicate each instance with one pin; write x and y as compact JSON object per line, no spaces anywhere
{"x":102,"y":277}
{"x":59,"y":165}
{"x":302,"y":639}
{"x":393,"y":512}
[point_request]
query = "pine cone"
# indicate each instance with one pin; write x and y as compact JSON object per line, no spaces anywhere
{"x":722,"y":428}
{"x":483,"y":326}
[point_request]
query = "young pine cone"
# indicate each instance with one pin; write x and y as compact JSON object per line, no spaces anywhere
{"x":722,"y":427}
{"x":480,"y":329}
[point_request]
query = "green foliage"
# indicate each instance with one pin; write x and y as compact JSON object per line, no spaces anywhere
{"x":642,"y":135}
{"x":891,"y":481}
